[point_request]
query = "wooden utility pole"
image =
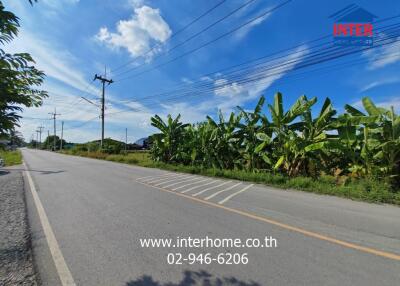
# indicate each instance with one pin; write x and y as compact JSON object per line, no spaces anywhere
{"x":103,"y":80}
{"x":62,"y":134}
{"x":126,"y":140}
{"x":40,"y":135}
{"x":37,"y":138}
{"x":54,"y":115}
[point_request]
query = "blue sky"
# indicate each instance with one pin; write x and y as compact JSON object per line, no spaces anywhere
{"x":71,"y":40}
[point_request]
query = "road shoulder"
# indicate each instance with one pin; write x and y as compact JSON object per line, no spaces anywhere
{"x":16,"y":259}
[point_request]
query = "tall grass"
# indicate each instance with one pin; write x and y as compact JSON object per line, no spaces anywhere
{"x":11,"y":157}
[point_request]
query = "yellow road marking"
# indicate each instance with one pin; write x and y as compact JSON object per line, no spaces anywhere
{"x":286,"y":226}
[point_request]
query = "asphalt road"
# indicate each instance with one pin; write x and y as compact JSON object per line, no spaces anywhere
{"x":99,"y":211}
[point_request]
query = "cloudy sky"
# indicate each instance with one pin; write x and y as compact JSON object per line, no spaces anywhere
{"x":147,"y":54}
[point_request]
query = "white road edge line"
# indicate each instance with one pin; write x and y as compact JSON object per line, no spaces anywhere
{"x":173,"y":180}
{"x":196,"y":182}
{"x":234,"y":194}
{"x":195,"y":187}
{"x":63,"y":271}
{"x":210,"y":188}
{"x":150,"y":177}
{"x":221,"y":191}
{"x":192,"y":178}
{"x":159,"y":179}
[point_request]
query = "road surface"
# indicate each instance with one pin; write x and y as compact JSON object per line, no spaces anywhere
{"x":98,"y":211}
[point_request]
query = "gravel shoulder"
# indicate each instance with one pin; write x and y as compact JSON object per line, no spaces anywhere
{"x":16,"y":262}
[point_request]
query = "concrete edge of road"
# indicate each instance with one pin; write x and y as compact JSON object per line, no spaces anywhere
{"x":48,"y":261}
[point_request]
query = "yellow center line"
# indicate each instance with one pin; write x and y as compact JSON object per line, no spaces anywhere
{"x":286,"y":226}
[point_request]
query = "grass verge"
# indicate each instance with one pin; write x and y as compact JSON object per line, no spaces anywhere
{"x":356,"y":189}
{"x":11,"y":157}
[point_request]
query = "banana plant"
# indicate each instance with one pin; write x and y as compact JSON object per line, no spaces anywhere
{"x":286,"y":143}
{"x":165,"y":144}
{"x":247,"y":133}
{"x":294,"y":142}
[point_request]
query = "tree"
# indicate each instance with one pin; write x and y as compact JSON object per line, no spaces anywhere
{"x":49,"y":143}
{"x":19,"y":79}
{"x":165,"y":144}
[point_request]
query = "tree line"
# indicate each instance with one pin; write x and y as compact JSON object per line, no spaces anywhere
{"x":19,"y":79}
{"x":294,"y":142}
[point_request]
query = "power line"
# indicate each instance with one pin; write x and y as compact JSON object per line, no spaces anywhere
{"x":82,"y":124}
{"x":262,"y":15}
{"x":196,"y":34}
{"x":303,"y":75}
{"x":205,"y":44}
{"x":248,"y":80}
{"x":174,"y":34}
{"x":275,"y":53}
{"x":212,"y":86}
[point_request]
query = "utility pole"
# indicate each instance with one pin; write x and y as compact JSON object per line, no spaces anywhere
{"x":40,"y":135}
{"x":37,"y":138}
{"x":54,"y":115}
{"x":126,"y":140}
{"x":62,"y":134}
{"x":103,"y":80}
{"x":48,"y":137}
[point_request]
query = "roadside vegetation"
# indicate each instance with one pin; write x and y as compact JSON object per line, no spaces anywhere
{"x":141,"y":158}
{"x":19,"y":79}
{"x":11,"y":157}
{"x":354,"y":155}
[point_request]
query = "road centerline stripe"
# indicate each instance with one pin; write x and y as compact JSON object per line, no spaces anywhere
{"x":305,"y":232}
{"x":62,"y":269}
{"x":210,"y":188}
{"x":234,"y":194}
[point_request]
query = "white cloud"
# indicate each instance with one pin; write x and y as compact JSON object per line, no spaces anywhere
{"x":206,"y":78}
{"x":225,"y":89}
{"x":379,"y":83}
{"x":240,"y":34}
{"x":136,"y":3}
{"x":243,"y":92}
{"x":189,"y":112}
{"x":228,"y":94}
{"x":57,"y":5}
{"x":53,"y":60}
{"x":386,"y":103}
{"x":382,"y":56}
{"x":138,"y":34}
{"x":186,"y":80}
